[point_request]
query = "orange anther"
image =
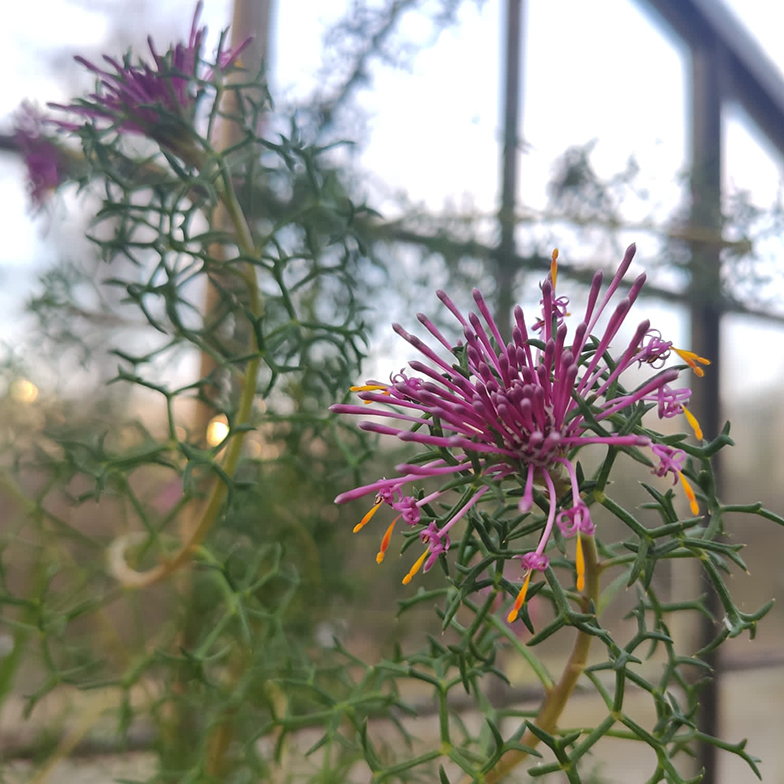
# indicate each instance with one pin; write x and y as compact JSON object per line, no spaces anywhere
{"x":366,"y":519}
{"x":692,"y":420}
{"x":520,"y":600}
{"x":579,"y":562}
{"x":689,"y":490}
{"x":692,"y":360}
{"x":385,"y":541}
{"x":416,"y":567}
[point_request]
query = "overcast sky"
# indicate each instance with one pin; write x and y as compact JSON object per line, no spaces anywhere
{"x":600,"y":70}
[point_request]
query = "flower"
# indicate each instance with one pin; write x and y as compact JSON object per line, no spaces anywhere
{"x":671,"y":462}
{"x":656,"y":350}
{"x":519,"y":410}
{"x":157,"y":100}
{"x":45,"y":162}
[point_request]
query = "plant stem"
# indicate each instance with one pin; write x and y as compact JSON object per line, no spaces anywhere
{"x":556,"y":699}
{"x":132,"y":578}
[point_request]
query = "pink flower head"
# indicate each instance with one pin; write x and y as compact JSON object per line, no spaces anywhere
{"x":437,"y":542}
{"x":560,"y":305}
{"x":576,"y":520}
{"x":155,"y":99}
{"x":654,"y":350}
{"x":669,"y":402}
{"x":670,"y":461}
{"x":514,"y":411}
{"x":408,"y":509}
{"x":535,"y":561}
{"x":46,"y":164}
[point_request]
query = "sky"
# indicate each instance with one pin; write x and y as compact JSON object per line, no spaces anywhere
{"x":602,"y":70}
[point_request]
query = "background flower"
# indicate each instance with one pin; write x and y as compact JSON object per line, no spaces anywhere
{"x":157,"y":100}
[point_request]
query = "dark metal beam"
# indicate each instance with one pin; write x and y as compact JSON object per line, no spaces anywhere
{"x":751,"y":78}
{"x":726,"y":63}
{"x":445,"y":245}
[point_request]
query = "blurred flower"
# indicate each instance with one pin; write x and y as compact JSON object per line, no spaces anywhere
{"x":156,"y":100}
{"x":517,"y":411}
{"x":169,"y":496}
{"x":45,"y":162}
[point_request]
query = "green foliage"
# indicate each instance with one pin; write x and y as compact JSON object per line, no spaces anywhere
{"x":477,"y":644}
{"x":117,"y":483}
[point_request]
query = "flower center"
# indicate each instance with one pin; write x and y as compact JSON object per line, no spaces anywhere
{"x":524,"y":421}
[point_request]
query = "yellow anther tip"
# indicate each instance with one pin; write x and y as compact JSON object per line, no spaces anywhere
{"x":692,"y":360}
{"x":693,"y":423}
{"x":369,"y":388}
{"x":520,"y":600}
{"x":687,"y":488}
{"x":416,"y":567}
{"x":580,"y":564}
{"x":385,"y":541}
{"x":368,"y":515}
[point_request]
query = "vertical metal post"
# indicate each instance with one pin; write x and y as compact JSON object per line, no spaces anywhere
{"x":505,"y":259}
{"x":504,"y":267}
{"x":706,"y":311}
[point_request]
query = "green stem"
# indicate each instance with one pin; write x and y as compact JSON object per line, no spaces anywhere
{"x":533,"y":662}
{"x":234,"y":450}
{"x":215,"y":501}
{"x":556,"y":699}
